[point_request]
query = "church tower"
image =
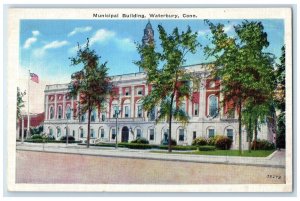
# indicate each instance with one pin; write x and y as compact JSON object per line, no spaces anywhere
{"x":148,"y":37}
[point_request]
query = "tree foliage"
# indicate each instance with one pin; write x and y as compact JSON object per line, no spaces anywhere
{"x":170,"y":81}
{"x":92,"y":83}
{"x":20,"y":102}
{"x":246,"y":71}
{"x":280,"y":100}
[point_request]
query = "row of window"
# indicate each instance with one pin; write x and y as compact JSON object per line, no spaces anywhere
{"x":181,"y":133}
{"x":212,"y":111}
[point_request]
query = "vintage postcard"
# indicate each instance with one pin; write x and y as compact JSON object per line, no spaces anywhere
{"x":150,"y":100}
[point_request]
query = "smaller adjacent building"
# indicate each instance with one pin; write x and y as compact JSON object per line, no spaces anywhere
{"x":36,"y":120}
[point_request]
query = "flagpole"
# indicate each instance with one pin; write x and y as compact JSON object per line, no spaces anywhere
{"x":28,"y":115}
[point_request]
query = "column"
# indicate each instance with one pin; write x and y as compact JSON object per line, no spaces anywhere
{"x":55,"y":106}
{"x":64,"y":105}
{"x":72,"y":108}
{"x":46,"y":107}
{"x":132,"y":103}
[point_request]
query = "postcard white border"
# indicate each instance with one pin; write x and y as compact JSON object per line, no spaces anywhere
{"x":16,"y":14}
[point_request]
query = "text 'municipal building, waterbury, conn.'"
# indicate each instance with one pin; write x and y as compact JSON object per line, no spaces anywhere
{"x":208,"y":117}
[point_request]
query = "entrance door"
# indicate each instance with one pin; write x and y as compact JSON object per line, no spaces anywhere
{"x":125,"y":134}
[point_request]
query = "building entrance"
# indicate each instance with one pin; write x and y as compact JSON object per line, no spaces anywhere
{"x":125,"y":134}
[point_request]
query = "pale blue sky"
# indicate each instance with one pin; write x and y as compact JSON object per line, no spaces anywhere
{"x":46,"y":45}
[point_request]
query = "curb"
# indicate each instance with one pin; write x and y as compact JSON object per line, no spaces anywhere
{"x":226,"y":162}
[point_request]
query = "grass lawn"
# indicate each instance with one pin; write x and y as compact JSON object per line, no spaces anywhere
{"x":256,"y":153}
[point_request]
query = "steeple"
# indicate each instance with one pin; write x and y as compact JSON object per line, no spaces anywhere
{"x":148,"y":34}
{"x":148,"y":37}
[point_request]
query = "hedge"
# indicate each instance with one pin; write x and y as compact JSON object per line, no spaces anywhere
{"x":48,"y":141}
{"x":140,"y":140}
{"x":139,"y":146}
{"x":200,"y":141}
{"x":206,"y":148}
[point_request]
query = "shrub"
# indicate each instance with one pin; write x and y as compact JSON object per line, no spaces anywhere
{"x":223,"y":142}
{"x":70,"y":138}
{"x":200,"y":141}
{"x":140,"y":140}
{"x":206,"y":148}
{"x":211,"y":141}
{"x":173,"y":142}
{"x":263,"y":145}
{"x":50,"y":138}
{"x":178,"y":147}
{"x":138,"y":146}
{"x":36,"y":136}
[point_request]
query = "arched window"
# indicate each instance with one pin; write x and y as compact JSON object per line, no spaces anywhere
{"x":82,"y":118}
{"x":59,"y":112}
{"x":139,"y":109}
{"x":51,"y":112}
{"x":92,"y":133}
{"x":213,"y":106}
{"x":68,"y":113}
{"x":50,"y":132}
{"x":139,"y":133}
{"x":58,"y":131}
{"x":181,"y":134}
{"x":210,"y":132}
{"x":93,"y":115}
{"x":81,"y":133}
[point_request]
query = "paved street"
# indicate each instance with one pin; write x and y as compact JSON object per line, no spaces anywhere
{"x":58,"y":168}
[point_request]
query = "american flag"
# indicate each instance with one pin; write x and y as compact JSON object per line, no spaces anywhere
{"x":34,"y":77}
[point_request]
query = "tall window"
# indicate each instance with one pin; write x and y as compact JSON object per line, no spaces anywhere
{"x":151,"y":134}
{"x":83,"y":118}
{"x":51,"y":113}
{"x":127,"y":91}
{"x":93,"y":116}
{"x":181,"y":134}
{"x":68,"y":113}
{"x":138,"y":133}
{"x":51,"y":132}
{"x":102,"y":132}
{"x":58,"y":132}
{"x":126,"y":111}
{"x":196,"y":109}
{"x":73,"y":133}
{"x":103,"y":117}
{"x":139,"y":111}
{"x":194,"y":135}
{"x":115,"y":110}
{"x":152,"y":115}
{"x":59,"y":112}
{"x":211,"y":132}
{"x":81,"y":133}
{"x":92,"y":133}
{"x":113,"y":133}
{"x":213,"y":106}
{"x":230,"y":133}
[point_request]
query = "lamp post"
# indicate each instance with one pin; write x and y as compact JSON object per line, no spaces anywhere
{"x":117,"y":112}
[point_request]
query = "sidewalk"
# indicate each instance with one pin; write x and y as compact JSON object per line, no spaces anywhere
{"x":277,"y":159}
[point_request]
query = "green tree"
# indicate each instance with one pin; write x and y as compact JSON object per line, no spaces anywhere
{"x":245,"y":70}
{"x":92,"y":83}
{"x":280,"y":100}
{"x":20,"y":102}
{"x":170,"y":80}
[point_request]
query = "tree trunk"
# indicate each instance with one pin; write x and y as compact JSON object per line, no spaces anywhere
{"x":170,"y":124}
{"x":249,"y":133}
{"x":255,"y":134}
{"x":240,"y":126}
{"x":89,"y":125}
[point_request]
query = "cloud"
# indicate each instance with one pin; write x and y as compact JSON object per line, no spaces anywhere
{"x":35,"y":33}
{"x":125,"y":44}
{"x":204,"y":32}
{"x":79,"y":30}
{"x":101,"y":35}
{"x":228,"y":28}
{"x":29,"y":42}
{"x":55,"y":44}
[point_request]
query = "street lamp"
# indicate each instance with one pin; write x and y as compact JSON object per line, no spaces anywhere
{"x":117,"y":112}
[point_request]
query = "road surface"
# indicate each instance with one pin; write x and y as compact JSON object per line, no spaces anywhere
{"x":59,"y":168}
